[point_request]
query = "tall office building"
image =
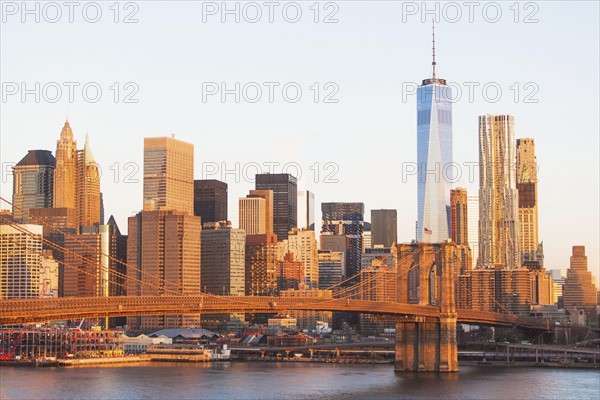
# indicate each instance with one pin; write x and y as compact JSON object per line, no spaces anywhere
{"x":384,"y":228}
{"x":90,"y":262}
{"x":87,"y":187}
{"x":434,"y":157}
{"x":473,"y":227}
{"x":367,"y":240}
{"x":306,"y":209}
{"x":331,"y":268}
{"x":498,"y":196}
{"x":223,"y":260}
{"x":346,"y":219}
{"x":380,"y":255}
{"x":65,"y":222}
{"x":33,"y":181}
{"x":459,"y":217}
{"x":558,"y":278}
{"x":579,"y":291}
{"x":303,"y":245}
{"x":210,"y":200}
{"x":262,"y":269}
{"x":20,"y":261}
{"x":168,"y":175}
{"x":252,"y":215}
{"x":163,"y":252}
{"x":65,"y":173}
{"x":285,"y":201}
{"x":267,"y":195}
{"x":120,"y":268}
{"x":528,"y":208}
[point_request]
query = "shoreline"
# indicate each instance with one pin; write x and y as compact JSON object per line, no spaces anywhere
{"x":125,"y":361}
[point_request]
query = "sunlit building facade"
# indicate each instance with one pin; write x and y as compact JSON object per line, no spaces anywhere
{"x":498,"y":196}
{"x":435,"y":171}
{"x":168,"y":175}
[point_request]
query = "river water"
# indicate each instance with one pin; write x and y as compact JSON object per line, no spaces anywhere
{"x":259,"y":380}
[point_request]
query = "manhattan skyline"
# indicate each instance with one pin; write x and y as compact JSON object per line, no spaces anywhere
{"x":350,"y":133}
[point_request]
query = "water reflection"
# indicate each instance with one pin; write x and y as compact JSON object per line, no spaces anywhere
{"x":293,"y":381}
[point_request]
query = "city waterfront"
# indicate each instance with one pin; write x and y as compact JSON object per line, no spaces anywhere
{"x":293,"y":381}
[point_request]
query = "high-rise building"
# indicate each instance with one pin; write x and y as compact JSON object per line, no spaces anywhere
{"x":48,"y":276}
{"x":210,"y":200}
{"x":306,"y":209}
{"x":434,"y":157}
{"x":262,"y":269}
{"x":64,"y":221}
{"x":291,"y":272}
{"x":473,"y":227}
{"x":459,"y":217}
{"x":331,"y":268}
{"x":90,"y":262}
{"x":20,"y":261}
{"x":168,"y":175}
{"x":65,"y":173}
{"x":163,"y":253}
{"x":379,"y":284}
{"x":367,"y":240}
{"x":118,"y":289}
{"x":285,"y":201}
{"x":303,"y":245}
{"x":223,"y":260}
{"x":346,"y":219}
{"x":528,"y":200}
{"x":383,"y":255}
{"x":33,"y":181}
{"x":252,"y":215}
{"x":335,"y":243}
{"x":267,"y":195}
{"x":384,"y":228}
{"x":579,"y":291}
{"x":87,"y":187}
{"x":542,"y":287}
{"x":498,"y":197}
{"x":558,"y":277}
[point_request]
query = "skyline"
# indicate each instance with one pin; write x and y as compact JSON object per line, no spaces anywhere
{"x":307,"y":144}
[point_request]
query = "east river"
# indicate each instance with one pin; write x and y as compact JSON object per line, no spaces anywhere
{"x":258,"y":380}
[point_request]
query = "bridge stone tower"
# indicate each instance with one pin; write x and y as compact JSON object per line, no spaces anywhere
{"x":426,"y":274}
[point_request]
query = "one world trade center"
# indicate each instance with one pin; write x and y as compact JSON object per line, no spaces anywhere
{"x":434,"y":157}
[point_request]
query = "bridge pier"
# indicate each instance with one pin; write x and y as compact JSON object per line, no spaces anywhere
{"x":426,"y":345}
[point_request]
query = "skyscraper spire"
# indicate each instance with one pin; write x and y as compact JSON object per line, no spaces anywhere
{"x":433,"y":47}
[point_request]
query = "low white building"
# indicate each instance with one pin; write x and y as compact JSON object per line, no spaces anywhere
{"x":139,"y":344}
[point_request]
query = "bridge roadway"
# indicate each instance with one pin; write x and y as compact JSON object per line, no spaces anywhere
{"x":22,"y":311}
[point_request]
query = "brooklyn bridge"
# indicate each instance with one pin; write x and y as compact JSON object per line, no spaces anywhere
{"x":425,"y":321}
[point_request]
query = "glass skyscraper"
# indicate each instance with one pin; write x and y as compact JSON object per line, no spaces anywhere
{"x":434,"y":158}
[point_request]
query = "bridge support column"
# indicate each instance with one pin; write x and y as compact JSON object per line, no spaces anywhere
{"x":427,"y":345}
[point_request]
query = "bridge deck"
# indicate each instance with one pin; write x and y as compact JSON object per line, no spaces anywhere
{"x":20,"y":311}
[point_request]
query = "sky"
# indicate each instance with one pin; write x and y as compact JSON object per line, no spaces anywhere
{"x":325,"y":91}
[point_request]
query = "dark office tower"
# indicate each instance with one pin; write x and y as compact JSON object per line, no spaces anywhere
{"x":346,"y":219}
{"x":210,"y":200}
{"x":285,"y":201}
{"x":384,"y":228}
{"x":121,"y":259}
{"x":33,"y":179}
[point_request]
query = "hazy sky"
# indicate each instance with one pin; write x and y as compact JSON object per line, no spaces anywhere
{"x":542,"y":56}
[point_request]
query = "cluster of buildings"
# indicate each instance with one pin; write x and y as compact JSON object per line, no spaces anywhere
{"x":55,"y":241}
